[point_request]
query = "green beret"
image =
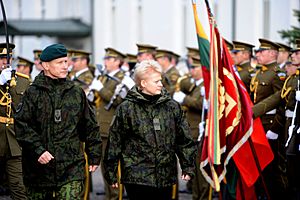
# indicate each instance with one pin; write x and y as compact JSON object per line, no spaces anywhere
{"x":52,"y":52}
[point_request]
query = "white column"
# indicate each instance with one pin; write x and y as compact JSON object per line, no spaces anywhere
{"x":102,"y":34}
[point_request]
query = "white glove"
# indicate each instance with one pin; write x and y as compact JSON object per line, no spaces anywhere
{"x":90,"y":96}
{"x":179,"y":96}
{"x":205,"y":104}
{"x":128,"y":82}
{"x":96,"y":85}
{"x":202,"y":91}
{"x":5,"y":75}
{"x":298,"y":95}
{"x":201,"y":130}
{"x":271,"y":135}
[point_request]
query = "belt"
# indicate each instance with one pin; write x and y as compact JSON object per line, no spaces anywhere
{"x":289,"y":113}
{"x":271,"y":112}
{"x":6,"y":120}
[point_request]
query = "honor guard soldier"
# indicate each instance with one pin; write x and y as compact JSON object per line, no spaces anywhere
{"x":283,"y":55}
{"x":24,"y":66}
{"x":265,"y":84}
{"x":241,"y":54}
{"x":192,"y":52}
{"x":10,"y":151}
{"x":170,"y":73}
{"x":110,"y":89}
{"x":145,"y":52}
{"x":190,"y":94}
{"x":82,"y":75}
{"x":37,"y":68}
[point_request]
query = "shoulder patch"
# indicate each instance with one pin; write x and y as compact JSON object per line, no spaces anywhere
{"x":22,"y":75}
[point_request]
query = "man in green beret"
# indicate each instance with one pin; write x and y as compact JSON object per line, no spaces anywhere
{"x":53,"y":120}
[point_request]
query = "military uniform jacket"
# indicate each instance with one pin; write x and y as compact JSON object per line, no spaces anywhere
{"x":8,"y":143}
{"x":84,"y":80}
{"x":105,"y":116}
{"x":146,"y":136}
{"x":193,"y":103}
{"x":265,"y":85}
{"x":54,"y":115}
{"x":170,"y":79}
{"x":245,"y":71}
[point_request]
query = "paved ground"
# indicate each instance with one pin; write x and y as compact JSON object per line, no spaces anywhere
{"x":98,"y":191}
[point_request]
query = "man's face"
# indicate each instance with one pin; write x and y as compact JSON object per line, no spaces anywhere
{"x":76,"y":63}
{"x":264,"y":57}
{"x":296,"y":58}
{"x":152,"y":84}
{"x":290,"y":69}
{"x":111,"y":64}
{"x":282,"y":56}
{"x":24,"y":69}
{"x":57,"y":68}
{"x":196,"y":73}
{"x":239,"y":57}
{"x":37,"y":63}
{"x":144,"y":56}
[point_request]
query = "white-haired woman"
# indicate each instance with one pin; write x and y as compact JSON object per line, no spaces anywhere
{"x":147,"y":133}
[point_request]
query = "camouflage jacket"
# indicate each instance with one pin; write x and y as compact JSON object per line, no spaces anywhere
{"x":55,"y":116}
{"x":146,"y":137}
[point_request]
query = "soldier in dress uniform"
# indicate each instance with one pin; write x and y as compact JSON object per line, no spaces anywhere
{"x":145,"y":52}
{"x":242,"y":53}
{"x":109,"y":93}
{"x":191,"y":52}
{"x":24,"y":66}
{"x":37,"y":68}
{"x":190,"y":94}
{"x":10,"y":151}
{"x":283,"y":55}
{"x":81,"y":73}
{"x":170,"y":73}
{"x":265,"y":84}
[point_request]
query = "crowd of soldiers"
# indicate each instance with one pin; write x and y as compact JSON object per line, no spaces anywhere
{"x":270,"y":74}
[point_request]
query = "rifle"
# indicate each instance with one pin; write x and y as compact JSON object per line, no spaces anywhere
{"x":117,"y":92}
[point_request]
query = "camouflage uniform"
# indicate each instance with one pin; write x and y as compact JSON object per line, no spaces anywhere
{"x":146,"y":136}
{"x":10,"y":151}
{"x":54,"y":115}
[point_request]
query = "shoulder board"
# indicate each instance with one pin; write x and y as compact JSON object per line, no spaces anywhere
{"x":22,"y":75}
{"x":251,"y":70}
{"x":120,"y":75}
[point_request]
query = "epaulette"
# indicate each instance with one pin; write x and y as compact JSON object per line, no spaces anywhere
{"x":251,"y":70}
{"x":120,"y":75}
{"x":239,"y":68}
{"x":22,"y":75}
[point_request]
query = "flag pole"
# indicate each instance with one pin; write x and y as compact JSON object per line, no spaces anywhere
{"x":249,"y":138}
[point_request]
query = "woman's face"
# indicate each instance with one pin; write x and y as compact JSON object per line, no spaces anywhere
{"x":152,"y":84}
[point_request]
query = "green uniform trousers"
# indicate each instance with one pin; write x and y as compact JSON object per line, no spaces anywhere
{"x":13,"y":170}
{"x":73,"y":190}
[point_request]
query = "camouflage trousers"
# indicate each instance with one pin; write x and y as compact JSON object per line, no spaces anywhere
{"x":71,"y":191}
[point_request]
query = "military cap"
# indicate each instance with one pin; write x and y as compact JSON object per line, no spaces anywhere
{"x":196,"y":61}
{"x":267,"y":45}
{"x":229,"y":45}
{"x":37,"y":53}
{"x":78,"y":53}
{"x":284,"y":47}
{"x":191,"y":51}
{"x":297,"y":46}
{"x":24,"y":62}
{"x":52,"y":52}
{"x":241,"y":46}
{"x":162,"y":53}
{"x":113,"y":53}
{"x":145,"y":48}
{"x":131,"y":58}
{"x":175,"y":55}
{"x":3,"y":49}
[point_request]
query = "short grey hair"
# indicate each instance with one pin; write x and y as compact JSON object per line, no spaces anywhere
{"x":142,"y":69}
